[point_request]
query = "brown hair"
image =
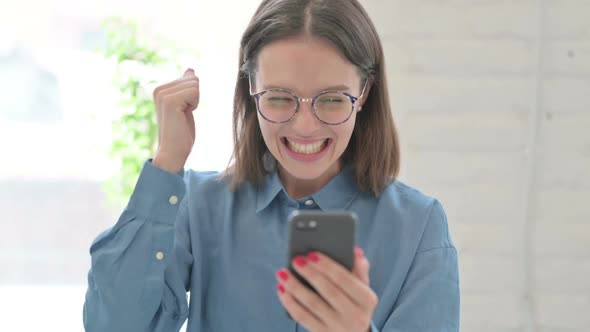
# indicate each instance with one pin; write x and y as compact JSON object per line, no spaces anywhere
{"x":373,"y":150}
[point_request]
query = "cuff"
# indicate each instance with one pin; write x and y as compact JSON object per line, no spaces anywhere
{"x":157,"y":194}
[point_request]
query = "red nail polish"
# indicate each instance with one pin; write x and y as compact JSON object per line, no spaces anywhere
{"x":359,"y":252}
{"x":300,"y":261}
{"x":282,"y":274}
{"x":281,"y":288}
{"x":313,"y":257}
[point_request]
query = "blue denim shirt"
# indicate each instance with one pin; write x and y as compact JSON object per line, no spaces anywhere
{"x":191,"y":233}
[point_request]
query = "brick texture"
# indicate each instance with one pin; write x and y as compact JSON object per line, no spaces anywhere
{"x":492,"y":100}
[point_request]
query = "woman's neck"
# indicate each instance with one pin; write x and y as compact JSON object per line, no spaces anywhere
{"x":299,"y":188}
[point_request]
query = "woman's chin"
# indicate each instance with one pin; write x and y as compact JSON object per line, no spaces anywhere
{"x":308,"y":171}
{"x":304,"y":174}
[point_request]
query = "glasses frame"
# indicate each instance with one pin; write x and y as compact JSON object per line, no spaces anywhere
{"x":300,"y":100}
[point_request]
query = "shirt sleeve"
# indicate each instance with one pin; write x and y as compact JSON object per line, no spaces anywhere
{"x":430,"y":296}
{"x":140,"y":267}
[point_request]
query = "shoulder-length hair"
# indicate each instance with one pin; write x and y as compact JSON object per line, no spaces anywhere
{"x":373,"y":150}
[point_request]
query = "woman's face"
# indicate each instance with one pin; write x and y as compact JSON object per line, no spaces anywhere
{"x":305,"y":147}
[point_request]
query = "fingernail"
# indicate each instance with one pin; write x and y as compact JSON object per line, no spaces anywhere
{"x":313,"y":257}
{"x":281,"y":288}
{"x":189,"y":70}
{"x":282,"y":274}
{"x":300,"y":261}
{"x":359,"y":252}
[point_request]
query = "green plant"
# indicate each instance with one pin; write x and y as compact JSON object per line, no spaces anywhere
{"x":135,"y":130}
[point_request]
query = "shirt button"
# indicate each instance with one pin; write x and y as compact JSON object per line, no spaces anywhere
{"x":159,"y":255}
{"x":309,"y":202}
{"x":173,"y":199}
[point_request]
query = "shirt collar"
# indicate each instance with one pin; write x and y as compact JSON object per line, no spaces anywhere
{"x":339,"y":192}
{"x":335,"y":195}
{"x":268,"y":190}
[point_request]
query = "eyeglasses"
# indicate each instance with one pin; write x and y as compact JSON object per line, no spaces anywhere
{"x":330,"y":107}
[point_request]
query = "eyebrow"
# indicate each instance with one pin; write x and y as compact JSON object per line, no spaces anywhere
{"x":336,"y":87}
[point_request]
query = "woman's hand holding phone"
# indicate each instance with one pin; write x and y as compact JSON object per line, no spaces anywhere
{"x":343,"y":302}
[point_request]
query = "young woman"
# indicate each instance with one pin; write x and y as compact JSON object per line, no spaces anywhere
{"x":312,"y":130}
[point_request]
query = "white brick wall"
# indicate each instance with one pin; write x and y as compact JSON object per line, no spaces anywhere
{"x":492,"y":99}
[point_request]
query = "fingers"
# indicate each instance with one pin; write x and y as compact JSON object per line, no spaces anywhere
{"x":183,"y":97}
{"x":344,"y":299}
{"x":171,"y":98}
{"x":357,"y":290}
{"x":298,"y":312}
{"x":174,"y":103}
{"x":329,"y":292}
{"x":191,"y":122}
{"x":189,"y":75}
{"x":361,"y":266}
{"x":304,"y":305}
{"x":304,"y":295}
{"x":189,"y":72}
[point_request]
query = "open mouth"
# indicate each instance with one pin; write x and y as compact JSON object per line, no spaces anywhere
{"x":306,"y":149}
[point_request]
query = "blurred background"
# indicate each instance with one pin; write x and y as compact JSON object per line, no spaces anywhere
{"x":492,"y":99}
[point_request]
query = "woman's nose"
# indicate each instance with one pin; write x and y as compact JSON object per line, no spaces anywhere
{"x":305,"y":120}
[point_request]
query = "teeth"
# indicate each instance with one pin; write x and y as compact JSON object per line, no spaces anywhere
{"x":306,"y":148}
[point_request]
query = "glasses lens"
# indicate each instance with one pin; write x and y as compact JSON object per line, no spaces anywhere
{"x":277,"y":105}
{"x":333,"y":107}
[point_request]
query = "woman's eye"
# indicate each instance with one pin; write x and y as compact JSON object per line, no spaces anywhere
{"x":331,"y":100}
{"x":280,"y":99}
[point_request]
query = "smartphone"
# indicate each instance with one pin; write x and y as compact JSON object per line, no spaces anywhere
{"x":331,"y":233}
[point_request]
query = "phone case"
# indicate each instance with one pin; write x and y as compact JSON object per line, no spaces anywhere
{"x":332,"y":235}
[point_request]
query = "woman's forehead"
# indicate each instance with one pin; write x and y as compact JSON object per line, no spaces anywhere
{"x":304,"y":62}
